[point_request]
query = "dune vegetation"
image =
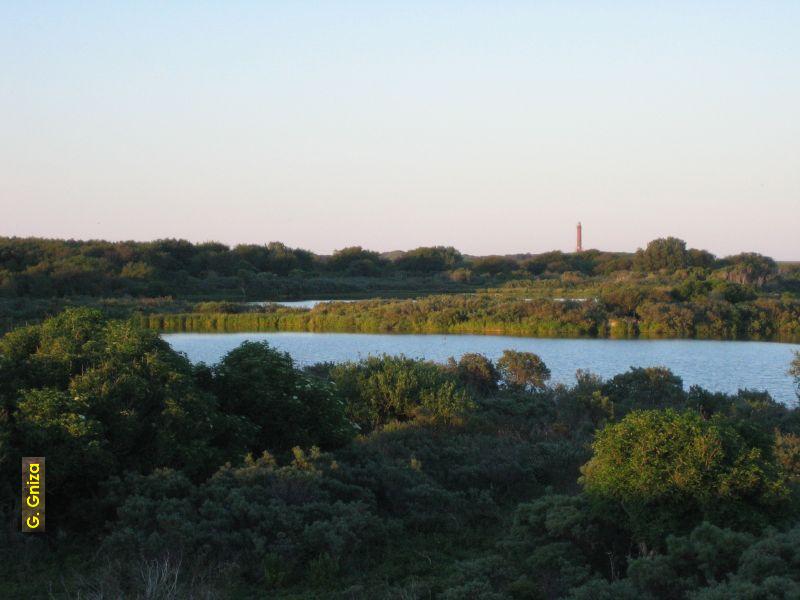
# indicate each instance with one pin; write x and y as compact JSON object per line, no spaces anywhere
{"x":384,"y":478}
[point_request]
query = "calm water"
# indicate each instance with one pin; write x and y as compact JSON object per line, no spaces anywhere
{"x":717,"y":366}
{"x":296,"y":303}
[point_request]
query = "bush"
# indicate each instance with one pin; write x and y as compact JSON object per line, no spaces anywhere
{"x":664,"y":471}
{"x":247,"y":516}
{"x":379,"y":390}
{"x":283,"y":406}
{"x":477,"y":373}
{"x":106,"y":398}
{"x":522,"y":370}
{"x":643,"y":388}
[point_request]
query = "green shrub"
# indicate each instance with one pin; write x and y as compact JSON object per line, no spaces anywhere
{"x":522,"y":370}
{"x":665,"y":471}
{"x":285,"y":407}
{"x":379,"y":390}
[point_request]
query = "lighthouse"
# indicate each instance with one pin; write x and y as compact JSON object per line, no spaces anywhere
{"x":579,"y":245}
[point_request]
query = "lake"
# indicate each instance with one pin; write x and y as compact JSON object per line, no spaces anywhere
{"x":295,"y":303}
{"x":714,"y":365}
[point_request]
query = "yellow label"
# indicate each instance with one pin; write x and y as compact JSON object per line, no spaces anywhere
{"x":32,"y":494}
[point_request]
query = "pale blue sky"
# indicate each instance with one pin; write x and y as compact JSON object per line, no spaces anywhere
{"x":489,"y":126}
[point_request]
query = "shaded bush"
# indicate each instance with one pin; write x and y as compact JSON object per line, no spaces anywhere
{"x":285,"y":407}
{"x":383,"y":389}
{"x":476,"y":372}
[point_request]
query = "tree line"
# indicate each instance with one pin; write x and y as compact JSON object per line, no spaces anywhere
{"x":41,"y":268}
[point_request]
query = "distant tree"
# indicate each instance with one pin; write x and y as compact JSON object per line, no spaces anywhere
{"x":559,"y":262}
{"x":749,"y":269}
{"x":494,"y":265}
{"x":534,"y":266}
{"x":548,"y":262}
{"x":523,"y":370}
{"x":244,"y":278}
{"x":429,"y":259}
{"x":794,"y":371}
{"x":666,"y":319}
{"x":363,"y":268}
{"x":622,"y":299}
{"x":281,"y":259}
{"x":612,"y":263}
{"x":305,"y":259}
{"x":252,"y":255}
{"x":461,"y":275}
{"x":664,"y":253}
{"x":217,"y":261}
{"x":733,"y":292}
{"x":701,"y":258}
{"x":136,"y":270}
{"x":169,"y":254}
{"x":356,"y":258}
{"x":692,"y":287}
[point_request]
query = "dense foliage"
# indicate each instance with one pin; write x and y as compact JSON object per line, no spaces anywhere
{"x":604,"y":316}
{"x":283,"y":406}
{"x":42,"y":268}
{"x":663,"y":290}
{"x":665,"y":469}
{"x":388,"y":389}
{"x":384,"y":478}
{"x":33,"y":267}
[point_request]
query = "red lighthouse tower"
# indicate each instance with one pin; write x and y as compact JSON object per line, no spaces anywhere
{"x":579,"y":246}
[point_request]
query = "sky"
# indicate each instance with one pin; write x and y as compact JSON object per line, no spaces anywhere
{"x":493,"y":127}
